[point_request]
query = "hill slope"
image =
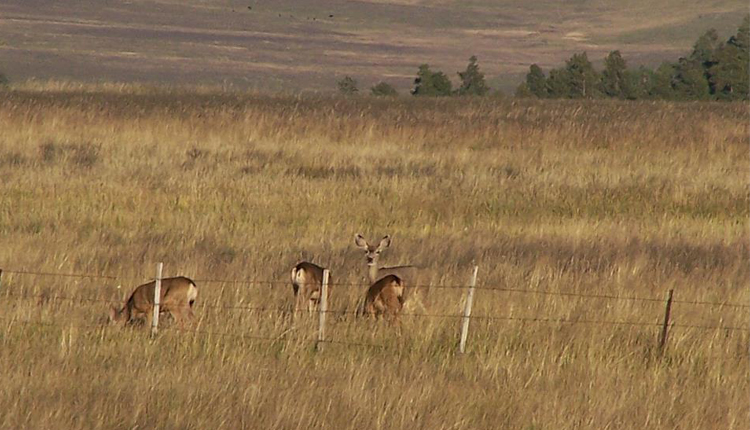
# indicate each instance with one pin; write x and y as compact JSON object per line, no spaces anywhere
{"x":291,"y":44}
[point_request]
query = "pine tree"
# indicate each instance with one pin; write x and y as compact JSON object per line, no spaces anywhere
{"x":583,"y":78}
{"x":662,"y":82}
{"x":728,"y":73}
{"x":429,"y":83}
{"x":690,"y":81}
{"x":472,"y":80}
{"x":638,"y":83}
{"x":536,"y":82}
{"x":558,"y":84}
{"x":523,"y":92}
{"x":615,"y":82}
{"x":703,"y":50}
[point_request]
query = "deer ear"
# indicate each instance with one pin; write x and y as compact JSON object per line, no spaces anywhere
{"x":112,"y":313}
{"x":360,"y":241}
{"x":385,"y":242}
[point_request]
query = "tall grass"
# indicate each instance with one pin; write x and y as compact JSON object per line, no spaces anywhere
{"x":605,"y":198}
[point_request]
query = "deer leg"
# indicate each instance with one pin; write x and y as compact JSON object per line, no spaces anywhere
{"x":149,"y":319}
{"x":393,"y":308}
{"x":369,"y":309}
{"x":178,"y":317}
{"x":297,"y":307}
{"x":182,"y":315}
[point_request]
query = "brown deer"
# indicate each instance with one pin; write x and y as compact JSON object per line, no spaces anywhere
{"x":409,"y":275}
{"x":307,"y":283}
{"x":385,"y":297}
{"x":177,"y":297}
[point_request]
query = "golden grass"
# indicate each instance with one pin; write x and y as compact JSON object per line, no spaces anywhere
{"x":605,"y":198}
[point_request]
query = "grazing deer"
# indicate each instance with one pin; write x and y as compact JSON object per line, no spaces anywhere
{"x":385,"y":297}
{"x":408,"y":274}
{"x":307,"y":283}
{"x":177,"y":297}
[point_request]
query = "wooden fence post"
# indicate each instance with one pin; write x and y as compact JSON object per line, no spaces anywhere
{"x":665,"y":327}
{"x":467,"y":311}
{"x":157,"y":300}
{"x":323,"y":311}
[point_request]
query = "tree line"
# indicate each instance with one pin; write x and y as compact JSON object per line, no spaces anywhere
{"x":714,"y":70}
{"x":429,"y":83}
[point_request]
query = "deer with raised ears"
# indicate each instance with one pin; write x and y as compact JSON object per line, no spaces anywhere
{"x":409,"y":275}
{"x":177,"y":297}
{"x":385,"y":297}
{"x":307,"y":284}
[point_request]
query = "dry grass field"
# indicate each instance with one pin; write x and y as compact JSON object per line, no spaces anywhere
{"x":562,"y":200}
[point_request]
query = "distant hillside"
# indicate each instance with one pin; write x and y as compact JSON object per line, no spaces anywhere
{"x":293,"y":44}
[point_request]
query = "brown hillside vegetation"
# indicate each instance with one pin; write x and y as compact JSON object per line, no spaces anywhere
{"x":279,"y":45}
{"x":558,"y":201}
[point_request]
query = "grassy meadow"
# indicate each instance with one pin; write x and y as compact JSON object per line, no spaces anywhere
{"x":583,"y":198}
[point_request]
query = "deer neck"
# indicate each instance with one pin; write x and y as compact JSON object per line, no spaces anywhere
{"x":372,"y":271}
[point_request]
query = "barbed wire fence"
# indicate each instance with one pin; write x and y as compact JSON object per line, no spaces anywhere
{"x":665,"y":325}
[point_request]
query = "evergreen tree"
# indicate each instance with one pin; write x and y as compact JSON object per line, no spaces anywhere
{"x":661,"y":85}
{"x":558,"y":84}
{"x":615,"y":79}
{"x":383,"y":89}
{"x":536,"y":82}
{"x":742,"y":39}
{"x":429,"y":83}
{"x":348,"y":86}
{"x":690,"y":81}
{"x":703,"y":50}
{"x":728,"y":73}
{"x":583,"y":78}
{"x":472,"y":80}
{"x":522,"y":92}
{"x":713,"y":70}
{"x":638,"y":83}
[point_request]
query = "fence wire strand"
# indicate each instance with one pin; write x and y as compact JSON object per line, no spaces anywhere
{"x":50,"y":297}
{"x":287,"y":310}
{"x":425,"y":286}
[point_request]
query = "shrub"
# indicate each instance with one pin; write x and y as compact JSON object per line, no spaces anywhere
{"x":472,"y":80}
{"x":348,"y":86}
{"x":429,"y":83}
{"x":383,"y":89}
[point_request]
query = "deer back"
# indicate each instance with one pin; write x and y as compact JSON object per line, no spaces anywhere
{"x":408,"y":274}
{"x":385,"y":296}
{"x":309,"y":277}
{"x":175,"y":292}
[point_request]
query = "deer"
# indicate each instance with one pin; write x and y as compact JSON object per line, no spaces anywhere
{"x":177,"y":297}
{"x":385,"y":297}
{"x":307,"y":284}
{"x":408,"y":274}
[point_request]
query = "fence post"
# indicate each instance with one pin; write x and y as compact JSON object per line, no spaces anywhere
{"x":467,"y":311}
{"x":665,"y":327}
{"x":157,"y":299}
{"x":323,"y":310}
